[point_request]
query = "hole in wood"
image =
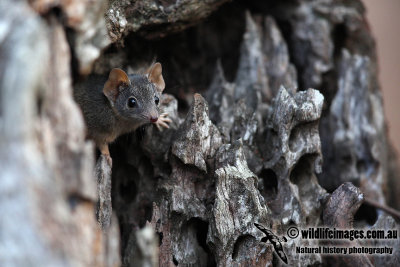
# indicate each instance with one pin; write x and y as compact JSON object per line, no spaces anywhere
{"x":268,"y":184}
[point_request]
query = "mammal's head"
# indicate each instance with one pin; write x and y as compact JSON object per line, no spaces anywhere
{"x":136,"y":98}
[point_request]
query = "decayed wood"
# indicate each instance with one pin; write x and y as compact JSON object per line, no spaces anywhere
{"x":359,"y":134}
{"x":48,"y":188}
{"x":386,"y":223}
{"x":156,"y":18}
{"x":339,"y":213}
{"x":279,"y":138}
{"x":261,"y":146}
{"x":104,"y":206}
{"x":342,"y":206}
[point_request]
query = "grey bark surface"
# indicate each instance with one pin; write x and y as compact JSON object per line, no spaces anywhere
{"x":104,"y":206}
{"x":277,"y":119}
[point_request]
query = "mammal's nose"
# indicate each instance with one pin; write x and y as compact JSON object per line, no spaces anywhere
{"x":153,"y":118}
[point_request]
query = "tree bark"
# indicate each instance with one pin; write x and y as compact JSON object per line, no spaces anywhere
{"x":277,"y":119}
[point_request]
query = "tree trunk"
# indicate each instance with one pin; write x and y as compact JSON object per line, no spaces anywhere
{"x":277,"y":119}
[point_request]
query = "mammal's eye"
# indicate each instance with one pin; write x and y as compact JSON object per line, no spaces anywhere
{"x":131,"y":102}
{"x":156,"y":100}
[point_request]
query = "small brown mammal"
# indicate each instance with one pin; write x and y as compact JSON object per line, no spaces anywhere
{"x":120,"y":104}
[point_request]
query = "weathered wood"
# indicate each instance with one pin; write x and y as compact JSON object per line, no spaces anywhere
{"x":156,"y":18}
{"x":104,"y":206}
{"x":260,"y":147}
{"x":339,"y":213}
{"x":48,"y":190}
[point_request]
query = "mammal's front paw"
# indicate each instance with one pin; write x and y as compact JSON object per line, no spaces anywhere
{"x":108,"y":159}
{"x":105,"y":153}
{"x":162,"y":122}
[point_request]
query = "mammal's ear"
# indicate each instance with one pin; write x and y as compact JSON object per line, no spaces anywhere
{"x":155,"y":76}
{"x":116,"y":78}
